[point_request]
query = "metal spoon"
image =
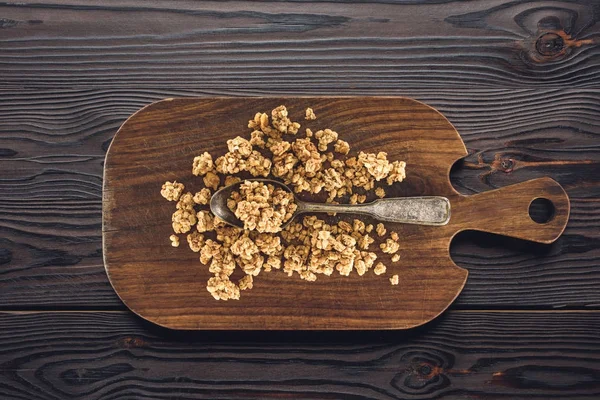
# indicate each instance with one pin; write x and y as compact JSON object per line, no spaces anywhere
{"x":424,"y":210}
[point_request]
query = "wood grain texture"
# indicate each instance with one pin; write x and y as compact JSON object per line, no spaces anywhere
{"x":71,"y":71}
{"x":463,"y":355}
{"x":273,"y":46}
{"x":164,"y":285}
{"x":53,"y":143}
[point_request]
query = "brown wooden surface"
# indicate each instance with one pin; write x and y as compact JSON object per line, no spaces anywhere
{"x":167,"y":285}
{"x":234,"y":48}
{"x":461,"y":355}
{"x":72,"y":71}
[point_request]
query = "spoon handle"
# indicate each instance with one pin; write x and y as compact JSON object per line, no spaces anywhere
{"x":426,"y":210}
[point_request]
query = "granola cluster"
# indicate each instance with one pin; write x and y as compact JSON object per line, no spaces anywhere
{"x":313,"y":163}
{"x":172,"y":190}
{"x":319,"y":248}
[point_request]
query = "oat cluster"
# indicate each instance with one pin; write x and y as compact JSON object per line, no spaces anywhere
{"x":314,"y":163}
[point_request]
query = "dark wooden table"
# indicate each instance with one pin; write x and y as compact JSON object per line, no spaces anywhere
{"x":519,"y":79}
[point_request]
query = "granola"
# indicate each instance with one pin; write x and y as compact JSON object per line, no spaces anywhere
{"x":380,"y":229}
{"x":183,"y":220}
{"x":221,"y":288}
{"x":318,"y":163}
{"x":379,"y":269}
{"x":172,"y":190}
{"x":205,"y":221}
{"x":202,"y":164}
{"x":246,"y":282}
{"x":325,"y":137}
{"x":389,"y":246}
{"x":195,"y":241}
{"x":202,"y":197}
{"x":239,"y":145}
{"x":341,"y":147}
{"x":212,"y":180}
{"x":282,"y":123}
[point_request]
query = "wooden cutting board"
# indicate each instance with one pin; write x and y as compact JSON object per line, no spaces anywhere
{"x":167,"y":285}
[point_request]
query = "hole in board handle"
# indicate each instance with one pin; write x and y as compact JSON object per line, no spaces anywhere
{"x":541,"y":210}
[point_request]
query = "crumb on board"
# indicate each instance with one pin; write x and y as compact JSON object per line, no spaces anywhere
{"x":394,"y":280}
{"x":379,"y":269}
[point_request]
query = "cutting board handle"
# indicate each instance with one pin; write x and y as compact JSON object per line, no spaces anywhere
{"x":505,"y":211}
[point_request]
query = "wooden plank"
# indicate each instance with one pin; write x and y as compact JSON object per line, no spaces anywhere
{"x":53,"y":142}
{"x":286,"y":47}
{"x":463,"y":355}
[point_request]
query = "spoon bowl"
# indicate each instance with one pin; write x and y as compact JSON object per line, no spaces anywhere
{"x":218,"y":201}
